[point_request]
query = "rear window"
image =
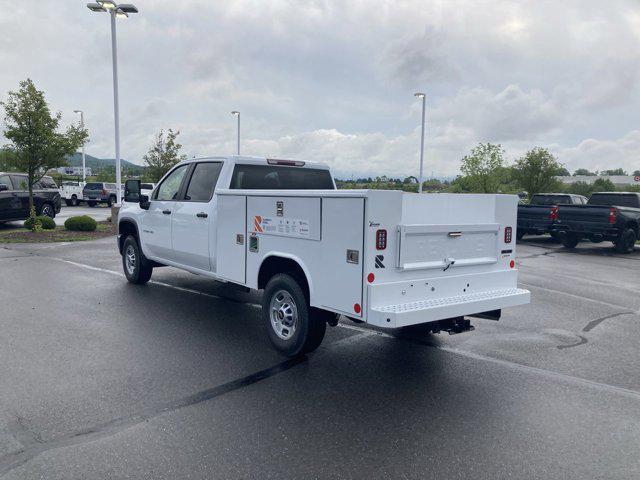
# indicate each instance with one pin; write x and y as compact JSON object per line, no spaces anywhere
{"x":93,"y":186}
{"x":614,"y":200}
{"x":550,"y":200}
{"x":277,"y":177}
{"x":47,"y":182}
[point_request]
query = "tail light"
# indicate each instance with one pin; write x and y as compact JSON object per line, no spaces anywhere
{"x":508,"y":234}
{"x":381,"y":239}
{"x":612,"y":215}
{"x":104,"y":192}
{"x":553,"y":213}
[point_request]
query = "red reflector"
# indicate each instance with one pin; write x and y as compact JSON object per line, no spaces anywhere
{"x":512,"y":263}
{"x":612,"y":215}
{"x":356,"y":308}
{"x":289,"y":163}
{"x":371,"y":277}
{"x":553,"y":213}
{"x":381,"y":239}
{"x":508,"y":233}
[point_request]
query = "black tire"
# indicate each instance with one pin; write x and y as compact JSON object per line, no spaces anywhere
{"x":67,"y":202}
{"x":627,"y":241}
{"x":47,"y":210}
{"x":74,"y":201}
{"x":91,"y":204}
{"x":570,"y":240}
{"x":111,"y":201}
{"x":293,"y":330}
{"x":135,"y":268}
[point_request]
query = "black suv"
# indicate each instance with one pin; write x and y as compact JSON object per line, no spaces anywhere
{"x":14,"y":197}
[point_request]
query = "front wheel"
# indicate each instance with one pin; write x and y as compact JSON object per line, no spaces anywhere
{"x":91,"y":204}
{"x":627,"y":241}
{"x":48,"y":210}
{"x":291,"y":327}
{"x":135,"y":269}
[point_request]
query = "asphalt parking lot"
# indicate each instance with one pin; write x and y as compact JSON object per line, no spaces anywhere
{"x":175,"y":379}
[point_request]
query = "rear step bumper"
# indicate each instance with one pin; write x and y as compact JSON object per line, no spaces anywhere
{"x":425,"y":311}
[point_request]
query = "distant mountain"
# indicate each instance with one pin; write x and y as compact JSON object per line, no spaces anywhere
{"x":97,"y":164}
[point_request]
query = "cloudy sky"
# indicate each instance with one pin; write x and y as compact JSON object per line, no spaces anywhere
{"x":334,"y":80}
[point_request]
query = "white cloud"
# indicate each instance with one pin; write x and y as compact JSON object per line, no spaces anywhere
{"x":597,"y":154}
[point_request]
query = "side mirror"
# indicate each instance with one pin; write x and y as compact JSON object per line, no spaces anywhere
{"x":144,"y":202}
{"x":4,"y":187}
{"x":132,"y":191}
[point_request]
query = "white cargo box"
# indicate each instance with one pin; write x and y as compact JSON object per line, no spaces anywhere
{"x":385,"y":257}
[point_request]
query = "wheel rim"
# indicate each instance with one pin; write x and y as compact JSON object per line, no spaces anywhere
{"x":130,"y":259}
{"x":631,"y":240}
{"x":284,"y":314}
{"x":47,"y":211}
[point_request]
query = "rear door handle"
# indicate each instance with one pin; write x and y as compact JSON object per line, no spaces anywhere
{"x":201,"y":215}
{"x":166,"y":212}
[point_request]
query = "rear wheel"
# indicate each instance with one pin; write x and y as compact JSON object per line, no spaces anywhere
{"x":74,"y":201}
{"x":67,"y":202}
{"x":91,"y":204}
{"x":291,"y":327}
{"x":627,"y":241}
{"x":111,"y":201}
{"x":570,"y":240}
{"x":135,"y":268}
{"x":48,"y":211}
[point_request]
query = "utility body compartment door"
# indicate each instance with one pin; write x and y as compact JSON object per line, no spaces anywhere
{"x":231,"y":238}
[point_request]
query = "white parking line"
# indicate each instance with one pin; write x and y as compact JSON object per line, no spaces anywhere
{"x":579,"y":297}
{"x":505,"y":363}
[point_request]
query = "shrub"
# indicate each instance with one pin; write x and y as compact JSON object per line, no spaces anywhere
{"x":82,"y":223}
{"x":46,"y":223}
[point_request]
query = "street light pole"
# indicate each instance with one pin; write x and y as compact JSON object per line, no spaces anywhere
{"x":237,"y":114}
{"x":84,"y":165}
{"x":422,"y":96}
{"x":115,"y":10}
{"x":116,"y":103}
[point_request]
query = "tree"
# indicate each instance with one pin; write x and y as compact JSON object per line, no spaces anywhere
{"x":563,"y":172}
{"x":636,"y":173}
{"x":583,"y":172}
{"x":617,"y":171}
{"x":482,"y":168}
{"x":604,"y":185}
{"x":535,"y":172}
{"x":35,"y":143}
{"x":163,"y":154}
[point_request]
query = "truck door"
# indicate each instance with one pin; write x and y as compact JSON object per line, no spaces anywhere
{"x":21,"y":195}
{"x":156,"y":223}
{"x":8,"y":200}
{"x":193,"y":218}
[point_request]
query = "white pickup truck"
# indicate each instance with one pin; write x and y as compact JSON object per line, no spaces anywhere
{"x":71,"y":192}
{"x":387,"y":258}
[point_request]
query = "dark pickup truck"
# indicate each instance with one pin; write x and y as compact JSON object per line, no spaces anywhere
{"x":612,"y":216}
{"x":537,"y":217}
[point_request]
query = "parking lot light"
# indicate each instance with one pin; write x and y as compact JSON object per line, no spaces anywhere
{"x":237,"y":114}
{"x":119,"y":11}
{"x":422,"y":97}
{"x":84,"y":165}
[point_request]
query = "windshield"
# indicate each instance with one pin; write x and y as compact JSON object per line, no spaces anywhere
{"x":277,"y":177}
{"x":615,"y":200}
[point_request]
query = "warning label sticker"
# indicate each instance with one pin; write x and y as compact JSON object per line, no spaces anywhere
{"x":288,"y":227}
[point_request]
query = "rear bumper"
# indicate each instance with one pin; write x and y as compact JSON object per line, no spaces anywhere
{"x":536,"y":227}
{"x":436,"y":299}
{"x":588,"y":230}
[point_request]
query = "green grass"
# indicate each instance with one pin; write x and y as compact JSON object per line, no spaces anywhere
{"x":60,"y":234}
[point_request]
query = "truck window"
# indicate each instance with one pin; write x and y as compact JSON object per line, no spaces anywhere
{"x":277,"y":177}
{"x":203,"y":181}
{"x":169,"y":188}
{"x":47,"y":182}
{"x":614,"y":200}
{"x":550,"y":200}
{"x":93,"y":186}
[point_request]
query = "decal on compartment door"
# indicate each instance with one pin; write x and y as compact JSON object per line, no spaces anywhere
{"x":287,"y":227}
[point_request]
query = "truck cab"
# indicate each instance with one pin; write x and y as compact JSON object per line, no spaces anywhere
{"x":387,"y":258}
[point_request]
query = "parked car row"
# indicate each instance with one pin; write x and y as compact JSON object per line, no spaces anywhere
{"x":605,"y":216}
{"x":14,"y":197}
